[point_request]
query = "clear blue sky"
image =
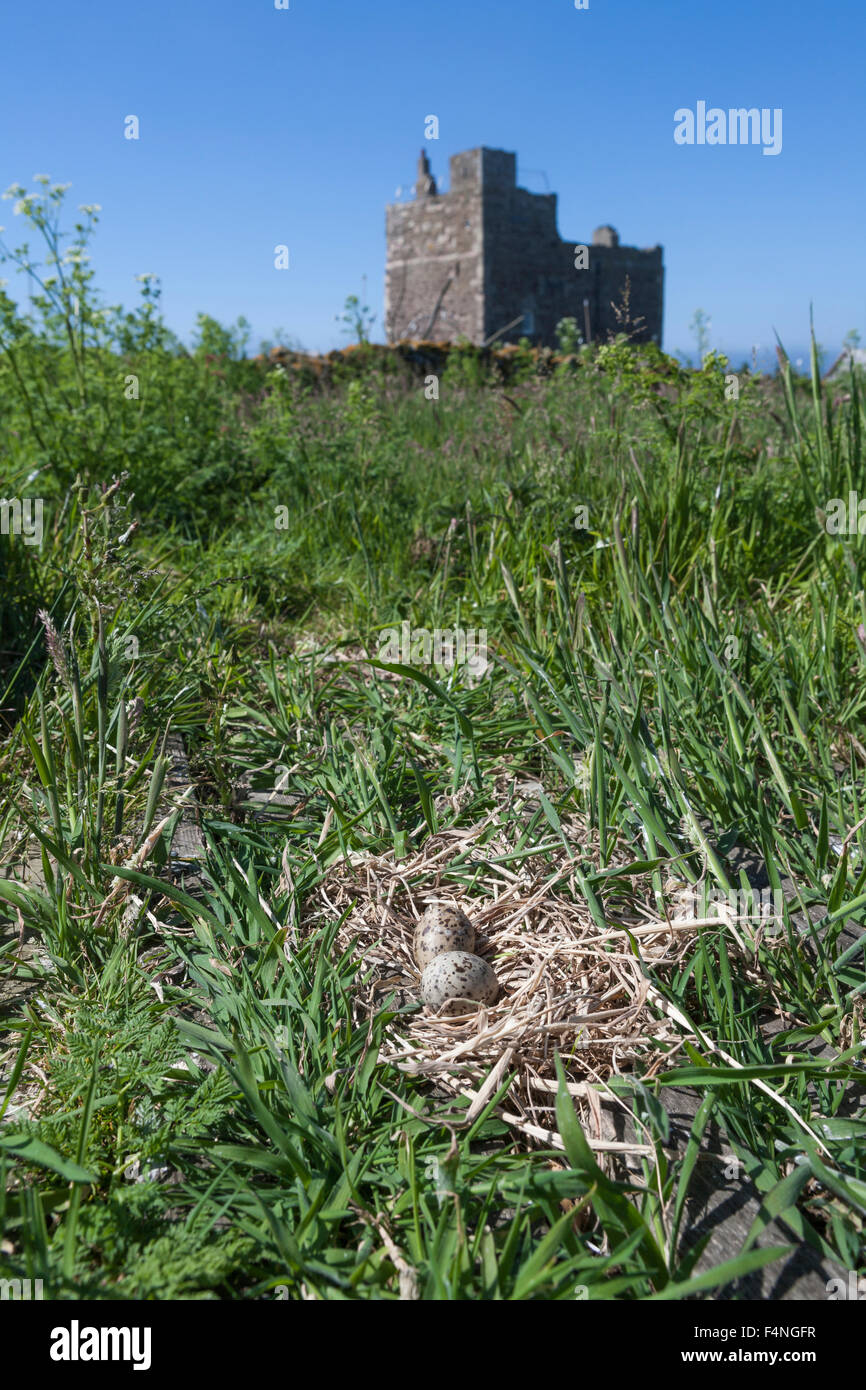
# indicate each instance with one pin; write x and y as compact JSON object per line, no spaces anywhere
{"x":262,"y":126}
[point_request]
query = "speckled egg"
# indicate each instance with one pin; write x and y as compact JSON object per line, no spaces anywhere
{"x":457,"y":977}
{"x":442,"y":928}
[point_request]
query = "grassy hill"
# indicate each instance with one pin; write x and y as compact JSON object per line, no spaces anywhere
{"x":216,"y":1080}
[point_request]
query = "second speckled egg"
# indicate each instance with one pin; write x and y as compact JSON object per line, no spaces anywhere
{"x":454,"y":981}
{"x":442,"y":928}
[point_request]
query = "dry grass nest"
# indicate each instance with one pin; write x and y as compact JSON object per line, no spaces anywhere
{"x":567,"y":984}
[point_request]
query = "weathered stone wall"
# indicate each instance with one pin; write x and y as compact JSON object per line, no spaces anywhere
{"x":434,"y":284}
{"x":469,"y":262}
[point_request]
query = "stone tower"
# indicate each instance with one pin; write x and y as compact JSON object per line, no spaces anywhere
{"x":485,"y":261}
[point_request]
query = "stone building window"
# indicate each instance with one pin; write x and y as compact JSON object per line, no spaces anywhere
{"x":527,"y":328}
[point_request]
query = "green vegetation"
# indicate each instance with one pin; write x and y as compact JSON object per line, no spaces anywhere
{"x":215,"y":531}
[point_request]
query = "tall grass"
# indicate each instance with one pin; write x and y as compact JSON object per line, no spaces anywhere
{"x":685,"y":670}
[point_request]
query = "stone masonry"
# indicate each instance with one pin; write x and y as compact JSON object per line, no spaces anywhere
{"x":485,"y":261}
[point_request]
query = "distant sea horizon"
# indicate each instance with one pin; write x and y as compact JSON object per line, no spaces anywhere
{"x":765,"y":359}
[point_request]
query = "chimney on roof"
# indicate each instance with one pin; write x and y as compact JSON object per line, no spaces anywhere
{"x":605,"y":236}
{"x":426,"y":184}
